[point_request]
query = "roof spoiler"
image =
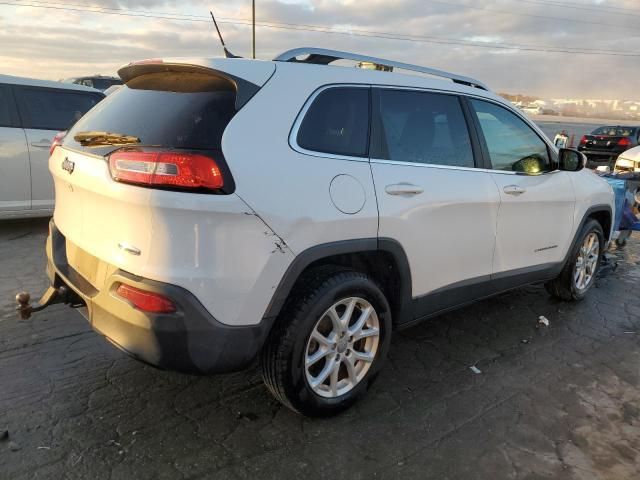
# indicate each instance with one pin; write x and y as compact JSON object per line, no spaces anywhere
{"x":156,"y":74}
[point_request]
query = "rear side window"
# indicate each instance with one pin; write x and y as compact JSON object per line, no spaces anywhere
{"x":337,"y":122}
{"x":512,"y":145}
{"x":192,"y":120}
{"x":615,"y":131}
{"x":6,"y":102}
{"x":51,"y":109}
{"x":422,"y":127}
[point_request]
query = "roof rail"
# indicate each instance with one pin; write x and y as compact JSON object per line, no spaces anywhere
{"x":322,"y":56}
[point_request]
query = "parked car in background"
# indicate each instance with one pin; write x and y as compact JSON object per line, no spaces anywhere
{"x":629,"y":161}
{"x":533,"y":109}
{"x":32,"y":112}
{"x":99,"y":82}
{"x":604,"y":144}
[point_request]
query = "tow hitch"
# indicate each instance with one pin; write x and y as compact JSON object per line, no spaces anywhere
{"x":51,"y":296}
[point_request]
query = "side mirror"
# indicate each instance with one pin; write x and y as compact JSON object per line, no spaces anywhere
{"x":571,"y":160}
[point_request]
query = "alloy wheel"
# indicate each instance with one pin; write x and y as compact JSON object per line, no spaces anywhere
{"x":342,"y":347}
{"x":587,"y":261}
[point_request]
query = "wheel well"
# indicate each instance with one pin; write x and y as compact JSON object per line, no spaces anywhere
{"x":603,"y":217}
{"x":379,"y":265}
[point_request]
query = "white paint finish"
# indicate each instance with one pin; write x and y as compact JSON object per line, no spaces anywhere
{"x":537,"y":219}
{"x":39,"y":143}
{"x":448,"y":231}
{"x":347,"y":194}
{"x":590,"y":190}
{"x":212,"y":245}
{"x":15,"y":186}
{"x":290,"y":189}
{"x":632,"y":154}
{"x":221,"y":249}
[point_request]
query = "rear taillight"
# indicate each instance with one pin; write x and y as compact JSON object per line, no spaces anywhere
{"x":624,"y":142}
{"x":57,"y":140}
{"x":583,"y":140}
{"x":166,"y":169}
{"x":146,"y":301}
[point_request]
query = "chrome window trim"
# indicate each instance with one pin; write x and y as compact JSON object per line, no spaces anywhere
{"x":293,"y":135}
{"x":300,"y":117}
{"x":453,"y":167}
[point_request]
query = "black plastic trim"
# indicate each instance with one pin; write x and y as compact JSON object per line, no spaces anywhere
{"x":462,"y":293}
{"x":318,"y":252}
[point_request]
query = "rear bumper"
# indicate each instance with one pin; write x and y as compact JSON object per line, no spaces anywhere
{"x":189,"y":340}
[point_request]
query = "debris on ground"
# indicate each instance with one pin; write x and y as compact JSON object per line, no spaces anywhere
{"x":4,"y":434}
{"x":475,"y":369}
{"x":542,"y":320}
{"x":42,"y":447}
{"x":608,"y":265}
{"x":249,"y":416}
{"x":14,"y":447}
{"x":524,"y":340}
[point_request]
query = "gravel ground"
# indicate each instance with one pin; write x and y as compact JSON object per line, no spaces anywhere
{"x":559,"y":402}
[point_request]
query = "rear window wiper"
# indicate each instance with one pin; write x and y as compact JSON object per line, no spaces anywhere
{"x":98,"y":138}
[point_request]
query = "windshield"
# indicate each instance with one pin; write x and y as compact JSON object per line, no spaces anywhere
{"x":615,"y":131}
{"x":160,"y":118}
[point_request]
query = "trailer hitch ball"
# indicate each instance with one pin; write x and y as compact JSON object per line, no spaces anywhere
{"x":51,"y":296}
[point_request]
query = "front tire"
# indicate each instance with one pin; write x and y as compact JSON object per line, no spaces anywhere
{"x":579,"y":273}
{"x":328,"y":344}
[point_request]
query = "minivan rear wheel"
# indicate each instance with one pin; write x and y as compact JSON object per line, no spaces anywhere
{"x":329,"y":343}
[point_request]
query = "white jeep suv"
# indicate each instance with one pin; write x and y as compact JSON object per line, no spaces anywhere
{"x":217,"y":211}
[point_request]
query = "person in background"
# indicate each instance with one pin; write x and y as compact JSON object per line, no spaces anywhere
{"x":561,"y":139}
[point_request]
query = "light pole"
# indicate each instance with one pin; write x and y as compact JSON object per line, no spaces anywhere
{"x":253,"y":25}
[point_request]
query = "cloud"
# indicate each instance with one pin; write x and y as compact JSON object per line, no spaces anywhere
{"x":61,"y":43}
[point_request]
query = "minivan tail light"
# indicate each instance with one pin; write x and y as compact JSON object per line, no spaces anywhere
{"x":166,"y":169}
{"x":624,"y":142}
{"x":57,"y":140}
{"x":146,"y":301}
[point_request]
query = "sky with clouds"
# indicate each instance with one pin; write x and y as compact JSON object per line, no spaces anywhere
{"x":470,"y":37}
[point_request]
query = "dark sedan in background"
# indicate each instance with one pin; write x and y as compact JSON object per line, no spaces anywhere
{"x":604,"y":144}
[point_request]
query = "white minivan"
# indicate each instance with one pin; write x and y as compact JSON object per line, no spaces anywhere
{"x":32,"y":112}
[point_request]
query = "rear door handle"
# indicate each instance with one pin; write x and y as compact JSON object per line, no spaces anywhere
{"x":514,"y":190}
{"x":403,"y":189}
{"x":42,"y":144}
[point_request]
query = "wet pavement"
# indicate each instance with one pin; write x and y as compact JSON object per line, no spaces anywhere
{"x":560,"y":402}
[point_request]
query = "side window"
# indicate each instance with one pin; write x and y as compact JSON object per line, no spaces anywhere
{"x":6,"y":107}
{"x":422,"y":127}
{"x":513,"y":146}
{"x":337,"y":122}
{"x":50,"y":109}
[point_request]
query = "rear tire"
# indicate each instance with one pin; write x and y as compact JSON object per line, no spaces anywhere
{"x":579,"y":273}
{"x":328,"y":344}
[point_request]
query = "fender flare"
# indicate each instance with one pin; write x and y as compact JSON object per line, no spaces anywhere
{"x":325,"y":250}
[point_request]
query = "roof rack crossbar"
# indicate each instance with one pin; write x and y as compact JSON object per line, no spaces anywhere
{"x":322,"y":56}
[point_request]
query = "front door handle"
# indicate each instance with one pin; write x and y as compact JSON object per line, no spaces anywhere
{"x":514,"y":190}
{"x":403,"y":189}
{"x":42,"y":144}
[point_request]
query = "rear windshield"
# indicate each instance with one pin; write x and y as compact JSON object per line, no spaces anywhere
{"x":615,"y":131}
{"x":194,"y":120}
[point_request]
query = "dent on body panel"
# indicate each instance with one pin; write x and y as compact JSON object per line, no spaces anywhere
{"x":225,"y":255}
